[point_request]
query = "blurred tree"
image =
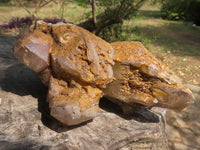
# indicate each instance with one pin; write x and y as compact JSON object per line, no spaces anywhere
{"x":115,"y":11}
{"x":38,"y":5}
{"x":62,"y":8}
{"x":104,"y":13}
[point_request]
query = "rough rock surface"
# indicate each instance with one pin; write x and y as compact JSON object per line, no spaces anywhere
{"x":143,"y":79}
{"x":82,"y":102}
{"x":77,"y":66}
{"x":25,"y":122}
{"x":75,"y":63}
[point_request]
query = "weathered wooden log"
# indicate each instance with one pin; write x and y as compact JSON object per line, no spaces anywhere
{"x":25,"y":121}
{"x":23,"y":126}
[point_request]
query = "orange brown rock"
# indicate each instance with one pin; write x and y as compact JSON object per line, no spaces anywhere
{"x":81,"y":56}
{"x":72,"y":103}
{"x":141,"y":78}
{"x":73,"y":62}
{"x":78,"y":68}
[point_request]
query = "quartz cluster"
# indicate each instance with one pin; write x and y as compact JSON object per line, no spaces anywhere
{"x":79,"y":68}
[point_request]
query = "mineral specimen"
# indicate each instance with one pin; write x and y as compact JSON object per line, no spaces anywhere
{"x":141,"y":78}
{"x":73,"y":62}
{"x":78,"y":68}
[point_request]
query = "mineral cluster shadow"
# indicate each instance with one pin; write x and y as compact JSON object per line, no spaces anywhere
{"x":139,"y":114}
{"x":22,"y":81}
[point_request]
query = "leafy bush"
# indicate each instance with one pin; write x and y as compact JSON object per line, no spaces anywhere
{"x":187,"y":10}
{"x":174,"y":9}
{"x":113,"y":33}
{"x":110,"y":13}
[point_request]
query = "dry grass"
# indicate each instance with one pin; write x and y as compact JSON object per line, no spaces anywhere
{"x":73,"y":12}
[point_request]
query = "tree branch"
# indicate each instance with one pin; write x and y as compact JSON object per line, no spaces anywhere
{"x":120,"y":8}
{"x":107,"y":23}
{"x":93,"y":12}
{"x":133,"y":8}
{"x":139,"y":3}
{"x":115,"y":16}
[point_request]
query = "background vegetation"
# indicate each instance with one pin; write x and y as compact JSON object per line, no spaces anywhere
{"x":188,"y":10}
{"x":165,"y":38}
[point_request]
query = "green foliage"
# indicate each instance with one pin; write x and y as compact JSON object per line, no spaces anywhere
{"x":174,"y":9}
{"x":113,"y":33}
{"x":181,"y":10}
{"x":5,"y":3}
{"x":112,"y":8}
{"x":127,"y":32}
{"x":115,"y":7}
{"x":109,"y":23}
{"x":82,"y":3}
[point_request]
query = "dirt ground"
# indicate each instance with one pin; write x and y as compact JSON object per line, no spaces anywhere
{"x":179,"y":47}
{"x":184,"y":126}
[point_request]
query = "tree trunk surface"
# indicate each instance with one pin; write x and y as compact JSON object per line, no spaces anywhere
{"x":25,"y":122}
